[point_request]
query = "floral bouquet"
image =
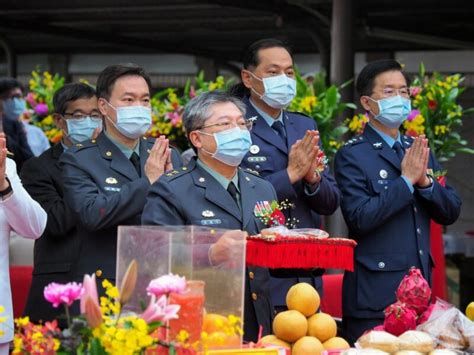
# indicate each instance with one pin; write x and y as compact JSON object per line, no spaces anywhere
{"x":168,"y":106}
{"x":40,"y":102}
{"x":437,"y":114}
{"x":105,"y":328}
{"x":323,"y":104}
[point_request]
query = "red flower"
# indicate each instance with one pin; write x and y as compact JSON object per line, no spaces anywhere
{"x":277,"y":218}
{"x":432,"y":104}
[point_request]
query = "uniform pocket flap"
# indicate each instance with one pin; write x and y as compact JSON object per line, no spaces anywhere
{"x":51,"y":268}
{"x":383,"y":262}
{"x":380,"y":185}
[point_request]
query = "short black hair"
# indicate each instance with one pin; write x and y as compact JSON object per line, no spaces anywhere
{"x":366,"y":78}
{"x":109,"y":76}
{"x":251,"y":58}
{"x":71,"y":92}
{"x":8,"y":84}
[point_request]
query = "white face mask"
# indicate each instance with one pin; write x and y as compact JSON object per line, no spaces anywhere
{"x":279,"y":91}
{"x":132,"y":121}
{"x":232,"y":145}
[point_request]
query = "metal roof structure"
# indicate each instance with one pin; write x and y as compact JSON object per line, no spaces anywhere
{"x":221,"y":29}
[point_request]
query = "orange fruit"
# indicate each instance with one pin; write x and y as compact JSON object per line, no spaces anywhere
{"x":214,"y":322}
{"x":303,"y":298}
{"x":322,"y":326}
{"x":336,"y":343}
{"x":290,"y":326}
{"x":307,"y":346}
{"x":273,"y":340}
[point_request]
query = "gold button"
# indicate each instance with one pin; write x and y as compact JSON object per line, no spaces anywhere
{"x":109,"y":154}
{"x":93,"y":141}
{"x":254,"y":296}
{"x":144,"y":138}
{"x":98,"y":273}
{"x":251,"y":275}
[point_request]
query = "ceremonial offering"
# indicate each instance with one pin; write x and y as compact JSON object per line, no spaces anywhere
{"x":211,"y":310}
{"x":280,"y":247}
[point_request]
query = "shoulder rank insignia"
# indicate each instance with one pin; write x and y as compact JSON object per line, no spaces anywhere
{"x":111,"y":181}
{"x":252,"y":171}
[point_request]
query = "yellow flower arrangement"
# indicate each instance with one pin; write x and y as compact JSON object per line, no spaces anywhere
{"x":437,"y":114}
{"x":322,"y":103}
{"x":40,"y":102}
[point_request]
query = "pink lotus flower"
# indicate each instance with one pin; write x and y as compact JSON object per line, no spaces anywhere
{"x":411,"y":116}
{"x":165,"y":284}
{"x":62,"y":293}
{"x":159,"y":310}
{"x":90,"y":290}
{"x":415,"y":90}
{"x":41,"y":109}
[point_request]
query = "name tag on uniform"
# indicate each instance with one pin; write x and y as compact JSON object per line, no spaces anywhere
{"x":113,"y":189}
{"x":210,"y":222}
{"x":256,"y":159}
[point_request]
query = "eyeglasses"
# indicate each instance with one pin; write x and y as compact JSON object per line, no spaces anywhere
{"x":80,"y":115}
{"x":389,"y":92}
{"x":223,"y":126}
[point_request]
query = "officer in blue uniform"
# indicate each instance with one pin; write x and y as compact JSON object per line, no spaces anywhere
{"x":212,"y":191}
{"x":107,"y":179}
{"x":284,"y":149}
{"x":388,"y":199}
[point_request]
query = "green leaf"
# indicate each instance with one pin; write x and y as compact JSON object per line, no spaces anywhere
{"x":96,"y":347}
{"x":466,"y":150}
{"x":422,"y":70}
{"x":331,"y":96}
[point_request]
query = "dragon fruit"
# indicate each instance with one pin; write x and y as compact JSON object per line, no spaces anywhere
{"x":399,"y":318}
{"x":414,"y":291}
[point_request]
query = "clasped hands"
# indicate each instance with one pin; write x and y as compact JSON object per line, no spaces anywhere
{"x":415,"y":162}
{"x":303,"y":159}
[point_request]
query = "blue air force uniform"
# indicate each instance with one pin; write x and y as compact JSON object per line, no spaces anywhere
{"x":389,"y":219}
{"x":269,"y":156}
{"x":180,"y":198}
{"x":105,"y":190}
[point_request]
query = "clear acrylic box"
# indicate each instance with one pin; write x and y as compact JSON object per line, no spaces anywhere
{"x":183,"y":250}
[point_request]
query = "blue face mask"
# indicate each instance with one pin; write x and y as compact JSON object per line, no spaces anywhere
{"x":279,"y":91}
{"x":232,"y":145}
{"x":82,"y":129}
{"x":393,"y":111}
{"x":13,"y":108}
{"x":132,"y":121}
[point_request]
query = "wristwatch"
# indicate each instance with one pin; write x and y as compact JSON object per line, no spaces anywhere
{"x":8,"y":190}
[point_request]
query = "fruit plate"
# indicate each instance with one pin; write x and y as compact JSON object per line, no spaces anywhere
{"x":279,"y":251}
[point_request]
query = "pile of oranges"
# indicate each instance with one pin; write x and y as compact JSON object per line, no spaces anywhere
{"x":300,"y":328}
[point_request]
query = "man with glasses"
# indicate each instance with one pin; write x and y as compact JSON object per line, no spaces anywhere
{"x":77,"y":115}
{"x":285,"y":148}
{"x":213,"y":191}
{"x":107,"y":179}
{"x":388,"y":199}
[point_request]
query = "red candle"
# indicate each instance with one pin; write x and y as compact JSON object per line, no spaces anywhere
{"x":191,"y":311}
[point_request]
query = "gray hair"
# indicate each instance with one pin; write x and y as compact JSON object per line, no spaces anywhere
{"x":199,"y":109}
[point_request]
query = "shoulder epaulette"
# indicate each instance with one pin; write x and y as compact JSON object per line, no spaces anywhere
{"x":83,"y":145}
{"x":355,"y":140}
{"x":250,"y":171}
{"x":300,"y":113}
{"x":173,"y":174}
